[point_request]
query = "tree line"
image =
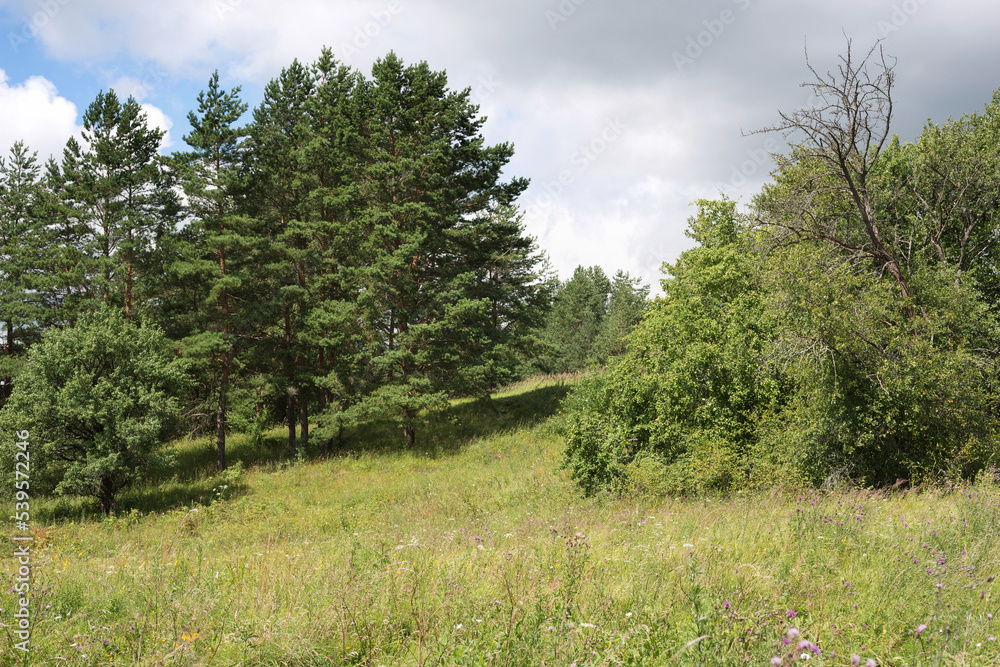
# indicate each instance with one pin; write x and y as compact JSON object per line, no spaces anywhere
{"x":351,"y":252}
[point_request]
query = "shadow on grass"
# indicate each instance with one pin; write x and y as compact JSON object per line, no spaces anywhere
{"x":448,"y":431}
{"x":147,"y":499}
{"x":194,"y":481}
{"x":196,"y":459}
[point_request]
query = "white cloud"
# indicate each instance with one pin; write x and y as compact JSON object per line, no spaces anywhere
{"x":34,"y":113}
{"x":552,"y":89}
{"x":248,"y":39}
{"x":126,"y":86}
{"x":615,"y":169}
{"x":156,"y":118}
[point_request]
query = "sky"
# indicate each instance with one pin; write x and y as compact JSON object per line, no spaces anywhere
{"x":622,"y":113}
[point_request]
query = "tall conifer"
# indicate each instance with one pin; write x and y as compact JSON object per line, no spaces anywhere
{"x":23,"y":245}
{"x":117,"y":188}
{"x":219,"y":250}
{"x":426,"y":179}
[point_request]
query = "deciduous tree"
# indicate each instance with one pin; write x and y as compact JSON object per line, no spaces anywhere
{"x":98,"y":399}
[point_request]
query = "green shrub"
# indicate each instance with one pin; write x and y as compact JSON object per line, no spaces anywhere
{"x":789,"y":366}
{"x":98,"y":400}
{"x":689,"y":394}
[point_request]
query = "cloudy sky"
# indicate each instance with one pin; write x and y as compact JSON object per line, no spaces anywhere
{"x":621,"y":112}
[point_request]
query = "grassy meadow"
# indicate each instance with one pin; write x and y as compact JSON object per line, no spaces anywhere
{"x":476,"y":549}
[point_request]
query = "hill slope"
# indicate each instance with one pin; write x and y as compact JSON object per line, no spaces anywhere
{"x":477,"y":550}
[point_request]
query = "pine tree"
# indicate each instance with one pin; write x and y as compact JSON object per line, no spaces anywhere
{"x":626,"y":305}
{"x":338,"y":357}
{"x":576,"y":319}
{"x":217,"y":249}
{"x":23,"y":247}
{"x":115,"y":186}
{"x":427,"y":178}
{"x":513,"y":279}
{"x":277,"y":137}
{"x":64,"y":285}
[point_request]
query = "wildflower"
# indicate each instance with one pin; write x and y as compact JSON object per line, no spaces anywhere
{"x":790,"y":613}
{"x":793,"y":633}
{"x":870,"y":663}
{"x":855,"y":660}
{"x":921,"y":628}
{"x":776,"y":661}
{"x":725,"y":604}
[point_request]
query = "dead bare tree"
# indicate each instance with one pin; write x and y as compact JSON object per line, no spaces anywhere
{"x":844,"y":133}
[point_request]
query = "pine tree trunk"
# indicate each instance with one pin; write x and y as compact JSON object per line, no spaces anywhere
{"x":6,"y":383}
{"x":220,"y":415}
{"x":408,"y":430}
{"x":304,"y":415}
{"x":290,"y":412}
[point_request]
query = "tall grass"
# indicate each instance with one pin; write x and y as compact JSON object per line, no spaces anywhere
{"x":475,"y":549}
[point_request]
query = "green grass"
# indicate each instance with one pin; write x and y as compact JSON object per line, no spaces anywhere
{"x":475,"y":549}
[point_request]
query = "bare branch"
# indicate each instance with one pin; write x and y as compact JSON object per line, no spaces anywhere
{"x":844,"y":134}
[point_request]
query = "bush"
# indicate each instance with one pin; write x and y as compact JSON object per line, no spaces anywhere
{"x":687,"y":397}
{"x":98,"y":400}
{"x":786,"y":367}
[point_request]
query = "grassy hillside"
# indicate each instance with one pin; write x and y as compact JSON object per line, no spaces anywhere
{"x":476,"y":550}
